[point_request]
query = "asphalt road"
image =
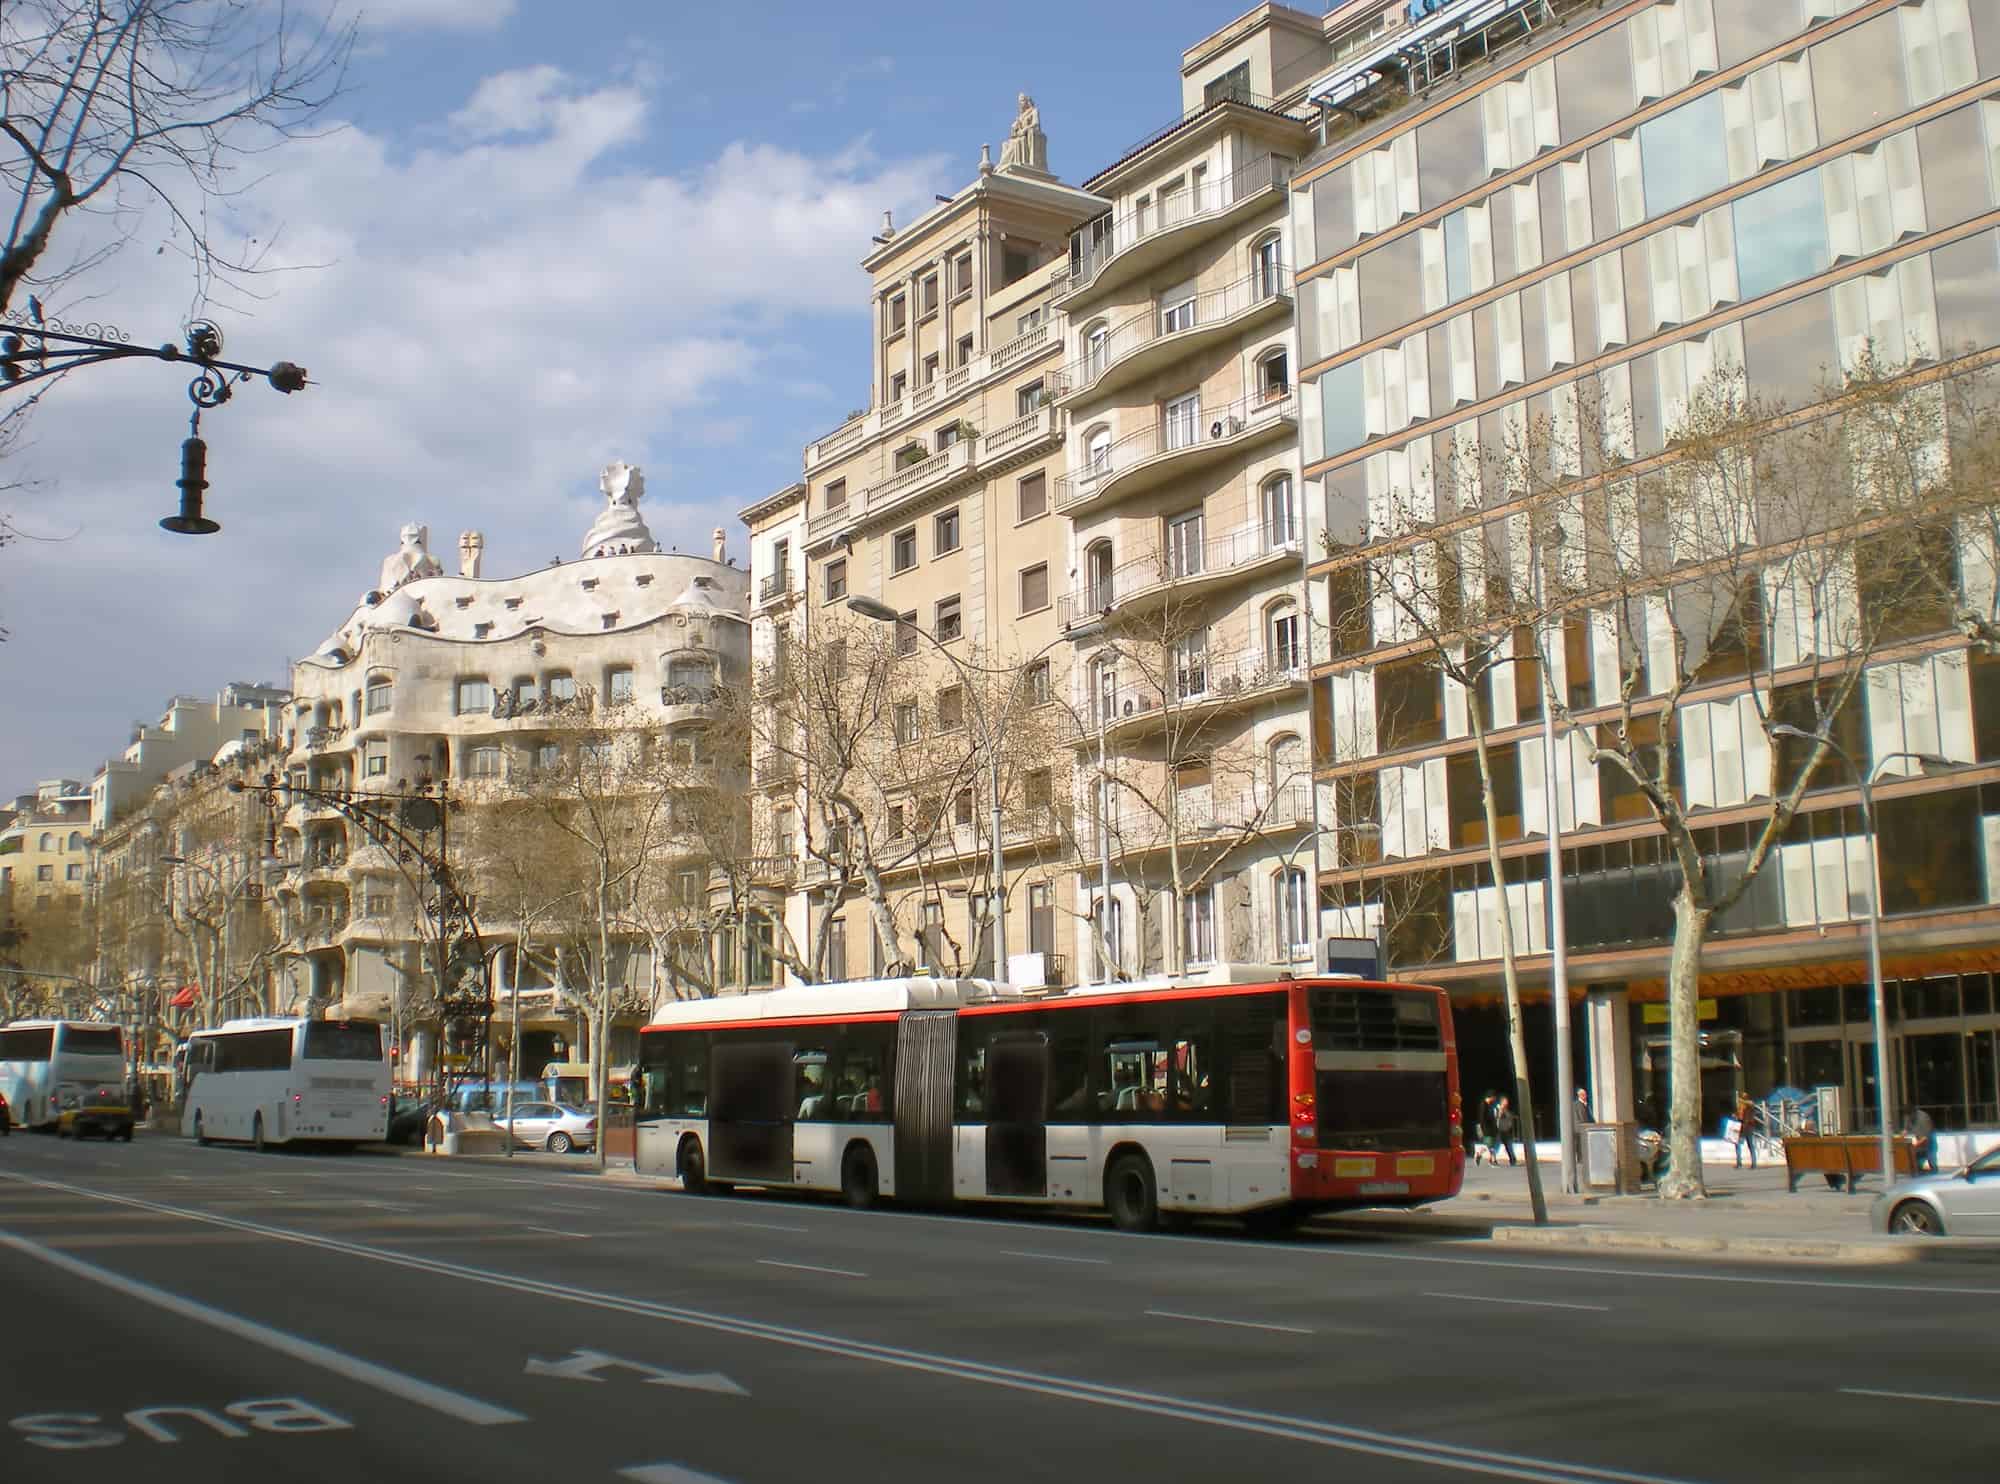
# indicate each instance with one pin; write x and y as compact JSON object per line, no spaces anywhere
{"x":212,"y":1314}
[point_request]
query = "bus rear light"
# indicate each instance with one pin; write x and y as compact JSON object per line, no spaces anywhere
{"x":1303,"y":1099}
{"x":297,"y":1098}
{"x":385,"y":1099}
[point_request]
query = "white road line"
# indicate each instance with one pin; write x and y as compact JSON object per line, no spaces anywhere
{"x":1487,"y":1298}
{"x":1282,"y":1329}
{"x":1490,"y":1462}
{"x":558,"y":1232}
{"x":553,"y":1206}
{"x":1921,"y":1396}
{"x":807,"y":1267}
{"x":667,"y":1473}
{"x":772,"y":1226}
{"x":363,"y":1372}
{"x":1055,"y":1257}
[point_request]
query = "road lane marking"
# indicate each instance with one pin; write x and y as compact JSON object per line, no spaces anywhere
{"x":667,"y":1473}
{"x":363,"y":1372}
{"x":807,"y":1267}
{"x":1340,"y":1436}
{"x":1922,"y":1396}
{"x":1282,"y":1329}
{"x":772,"y":1226}
{"x":558,"y":1232}
{"x":1103,"y":1262}
{"x":1487,"y":1298}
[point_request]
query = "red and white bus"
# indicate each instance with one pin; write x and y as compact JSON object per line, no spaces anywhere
{"x":1238,"y":1092}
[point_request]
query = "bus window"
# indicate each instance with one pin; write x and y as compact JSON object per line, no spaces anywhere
{"x":343,"y":1040}
{"x":862,"y":1093}
{"x":92,"y":1040}
{"x":1138,"y":1077}
{"x":809,"y":1090}
{"x":1190,"y":1094}
{"x":1069,"y":1074}
{"x":36,"y":1043}
{"x":969,"y":1083}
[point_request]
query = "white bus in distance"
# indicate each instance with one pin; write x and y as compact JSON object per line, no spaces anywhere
{"x":38,"y":1056}
{"x":280,"y":1081}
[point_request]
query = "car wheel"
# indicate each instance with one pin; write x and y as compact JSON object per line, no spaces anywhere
{"x":200,"y":1132}
{"x":858,"y":1180}
{"x":257,"y":1133}
{"x":560,"y":1142}
{"x":1132,"y":1195}
{"x":1915,"y":1219}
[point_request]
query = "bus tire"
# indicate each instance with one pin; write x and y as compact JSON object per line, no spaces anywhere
{"x":1132,"y":1194}
{"x":859,"y":1182}
{"x":200,"y":1131}
{"x":692,"y":1167}
{"x":257,"y":1132}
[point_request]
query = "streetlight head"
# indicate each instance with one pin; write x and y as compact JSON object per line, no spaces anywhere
{"x":1786,"y":729}
{"x":873,"y":608}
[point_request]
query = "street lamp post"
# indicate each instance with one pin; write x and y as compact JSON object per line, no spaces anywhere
{"x":882,"y":613}
{"x":1865,"y":783}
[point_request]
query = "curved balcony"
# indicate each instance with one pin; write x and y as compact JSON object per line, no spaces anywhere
{"x":1106,"y":254}
{"x":1199,"y":688}
{"x":1134,"y":829}
{"x":697,"y":702}
{"x":974,"y":456}
{"x":1164,"y":334}
{"x":1170,"y":449}
{"x":1136,"y":587}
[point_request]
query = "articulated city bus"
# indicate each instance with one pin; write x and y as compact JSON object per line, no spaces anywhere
{"x":38,"y":1056}
{"x":1239,"y":1092}
{"x":266,"y":1082}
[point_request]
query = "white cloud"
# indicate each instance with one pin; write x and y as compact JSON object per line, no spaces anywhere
{"x":439,"y":15}
{"x":495,"y":318}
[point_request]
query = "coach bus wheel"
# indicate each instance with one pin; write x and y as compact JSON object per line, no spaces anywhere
{"x":200,"y":1131}
{"x":1131,"y":1194}
{"x":858,"y":1181}
{"x":257,"y":1133}
{"x":694,"y":1168}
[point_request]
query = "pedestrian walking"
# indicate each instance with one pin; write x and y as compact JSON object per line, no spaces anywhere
{"x":1919,"y":1127}
{"x":1503,"y":1130}
{"x":1489,"y":1138}
{"x":1746,"y":1123}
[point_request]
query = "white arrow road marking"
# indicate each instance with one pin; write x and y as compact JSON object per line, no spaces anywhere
{"x":352,"y":1368}
{"x":583,"y":1365}
{"x":667,"y":1473}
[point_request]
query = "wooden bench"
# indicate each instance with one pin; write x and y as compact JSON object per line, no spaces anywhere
{"x":1845,"y":1157}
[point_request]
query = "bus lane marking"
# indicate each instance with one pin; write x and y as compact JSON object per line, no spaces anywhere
{"x":1102,"y":1262}
{"x":809,"y":1267}
{"x":311,"y":1352}
{"x":1487,"y":1298}
{"x":1281,"y":1329}
{"x":1921,"y":1396}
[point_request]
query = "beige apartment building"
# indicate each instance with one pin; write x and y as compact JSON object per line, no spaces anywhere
{"x":45,"y":846}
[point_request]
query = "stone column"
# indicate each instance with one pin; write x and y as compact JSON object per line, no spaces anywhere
{"x":1608,"y":1012}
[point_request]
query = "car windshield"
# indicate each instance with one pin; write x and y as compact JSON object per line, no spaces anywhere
{"x":1987,"y":1164}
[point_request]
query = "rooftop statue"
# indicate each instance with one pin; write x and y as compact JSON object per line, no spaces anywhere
{"x":410,"y":561}
{"x":619,"y":529}
{"x":1027,"y":147}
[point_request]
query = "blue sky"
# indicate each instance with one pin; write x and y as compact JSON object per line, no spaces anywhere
{"x":548,"y":235}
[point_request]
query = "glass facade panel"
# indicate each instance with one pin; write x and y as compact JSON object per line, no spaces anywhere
{"x":1953,"y":152}
{"x":1962,"y":275}
{"x":1750,"y":30}
{"x":1457,"y":258}
{"x":1858,"y":78}
{"x":1333,"y":212}
{"x":1681,"y":154}
{"x":1781,"y":235}
{"x":1790,"y":350}
{"x":1344,"y":416}
{"x":1451,"y":156}
{"x":1391,"y":286}
{"x":1594,"y":83}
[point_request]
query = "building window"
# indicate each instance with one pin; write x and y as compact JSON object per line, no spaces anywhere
{"x":1097,"y":452}
{"x":944,"y":532}
{"x":836,"y":948}
{"x":1177,"y":309}
{"x":947,"y":626}
{"x":927,"y":293}
{"x":930,"y":369}
{"x":1040,"y":692}
{"x":1232,"y":87}
{"x":898,"y":384}
{"x":1183,"y":422}
{"x":784,"y":833}
{"x":961,"y":274}
{"x":1274,"y":377}
{"x":1190,"y":664}
{"x":906,"y":634}
{"x":618,"y":684}
{"x":473,"y":696}
{"x":1096,"y":351}
{"x":903,"y":550}
{"x":1031,"y":496}
{"x":548,"y":757}
{"x":1281,"y":514}
{"x":1282,"y":644}
{"x":964,"y":350}
{"x":376,"y":763}
{"x":1038,"y":789}
{"x":906,"y":723}
{"x":76,"y":839}
{"x":899,"y":313}
{"x":48,"y":841}
{"x":72,"y":873}
{"x":1030,"y":398}
{"x":1184,"y":544}
{"x":949,"y":434}
{"x":45,"y":873}
{"x":836,"y":495}
{"x":899,"y":820}
{"x":381,"y":696}
{"x":1035,"y":588}
{"x":483,"y":762}
{"x":559,"y":686}
{"x":951,"y":708}
{"x":835,"y":660}
{"x":836,"y":579}
{"x":1198,"y":919}
{"x":961,"y":808}
{"x":1294,"y":926}
{"x":1026,"y":322}
{"x":1270,"y":268}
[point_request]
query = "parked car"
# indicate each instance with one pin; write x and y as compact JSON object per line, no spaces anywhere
{"x":550,"y":1126}
{"x":94,"y":1108}
{"x":1962,"y":1203}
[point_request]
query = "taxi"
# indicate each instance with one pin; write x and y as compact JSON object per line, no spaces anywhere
{"x":94,"y":1108}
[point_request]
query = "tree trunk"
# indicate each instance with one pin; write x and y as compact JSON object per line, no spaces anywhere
{"x":1683,"y":1179}
{"x":1517,"y":1042}
{"x":600,"y":1030}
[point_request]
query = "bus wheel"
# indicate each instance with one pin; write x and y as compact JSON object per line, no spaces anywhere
{"x":1131,"y":1194}
{"x":693,"y":1168}
{"x":257,"y":1133}
{"x":858,"y":1180}
{"x":200,"y":1132}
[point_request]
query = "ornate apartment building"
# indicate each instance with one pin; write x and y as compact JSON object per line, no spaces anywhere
{"x":1515,"y":208}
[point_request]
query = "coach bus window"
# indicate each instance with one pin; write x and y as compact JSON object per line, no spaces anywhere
{"x":334,"y":1040}
{"x":809,"y":1083}
{"x":1190,"y":1094}
{"x":861,"y":1092}
{"x":1138,"y":1078}
{"x":970,"y":1083}
{"x":86,"y":1040}
{"x":1069,"y":1077}
{"x":691,"y":1090}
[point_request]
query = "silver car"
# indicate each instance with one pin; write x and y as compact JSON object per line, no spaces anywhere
{"x":551,"y":1126}
{"x":1963,"y":1203}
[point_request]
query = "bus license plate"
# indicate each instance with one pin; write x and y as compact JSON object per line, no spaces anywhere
{"x":1386,"y":1187}
{"x":1353,"y":1169}
{"x":1416,"y":1164}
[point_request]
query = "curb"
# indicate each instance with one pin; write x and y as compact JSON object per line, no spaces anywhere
{"x":1878,"y":1252}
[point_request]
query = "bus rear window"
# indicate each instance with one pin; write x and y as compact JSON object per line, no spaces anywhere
{"x":92,"y":1040}
{"x":32,"y":1044}
{"x":1375,"y":1020}
{"x":336,"y":1040}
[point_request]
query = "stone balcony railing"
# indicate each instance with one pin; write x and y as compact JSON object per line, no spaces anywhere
{"x":1213,"y":559}
{"x":965,"y":459}
{"x":1195,"y":813}
{"x":1206,"y":679}
{"x":774,"y":586}
{"x":1208,"y":312}
{"x":1099,"y":244}
{"x":1173,"y":444}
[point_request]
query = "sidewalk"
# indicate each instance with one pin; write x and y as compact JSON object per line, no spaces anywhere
{"x":1749,"y":1215}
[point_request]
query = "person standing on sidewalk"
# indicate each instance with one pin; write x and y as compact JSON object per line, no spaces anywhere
{"x":1920,"y":1128}
{"x":1746,"y":1123}
{"x":1579,"y":1116}
{"x":1503,"y":1130}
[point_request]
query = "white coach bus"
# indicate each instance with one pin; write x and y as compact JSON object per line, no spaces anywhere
{"x":266,"y":1082}
{"x":38,"y":1056}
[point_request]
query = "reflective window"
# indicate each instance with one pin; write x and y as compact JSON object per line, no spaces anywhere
{"x":1858,"y":78}
{"x":1781,"y":235}
{"x":1681,"y":154}
{"x":1344,"y":412}
{"x":1451,"y":155}
{"x":1594,"y":83}
{"x":1750,"y":30}
{"x":1391,"y":287}
{"x":1457,"y":257}
{"x":1333,"y":212}
{"x":1789,"y":350}
{"x":1953,"y":151}
{"x":1968,"y":310}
